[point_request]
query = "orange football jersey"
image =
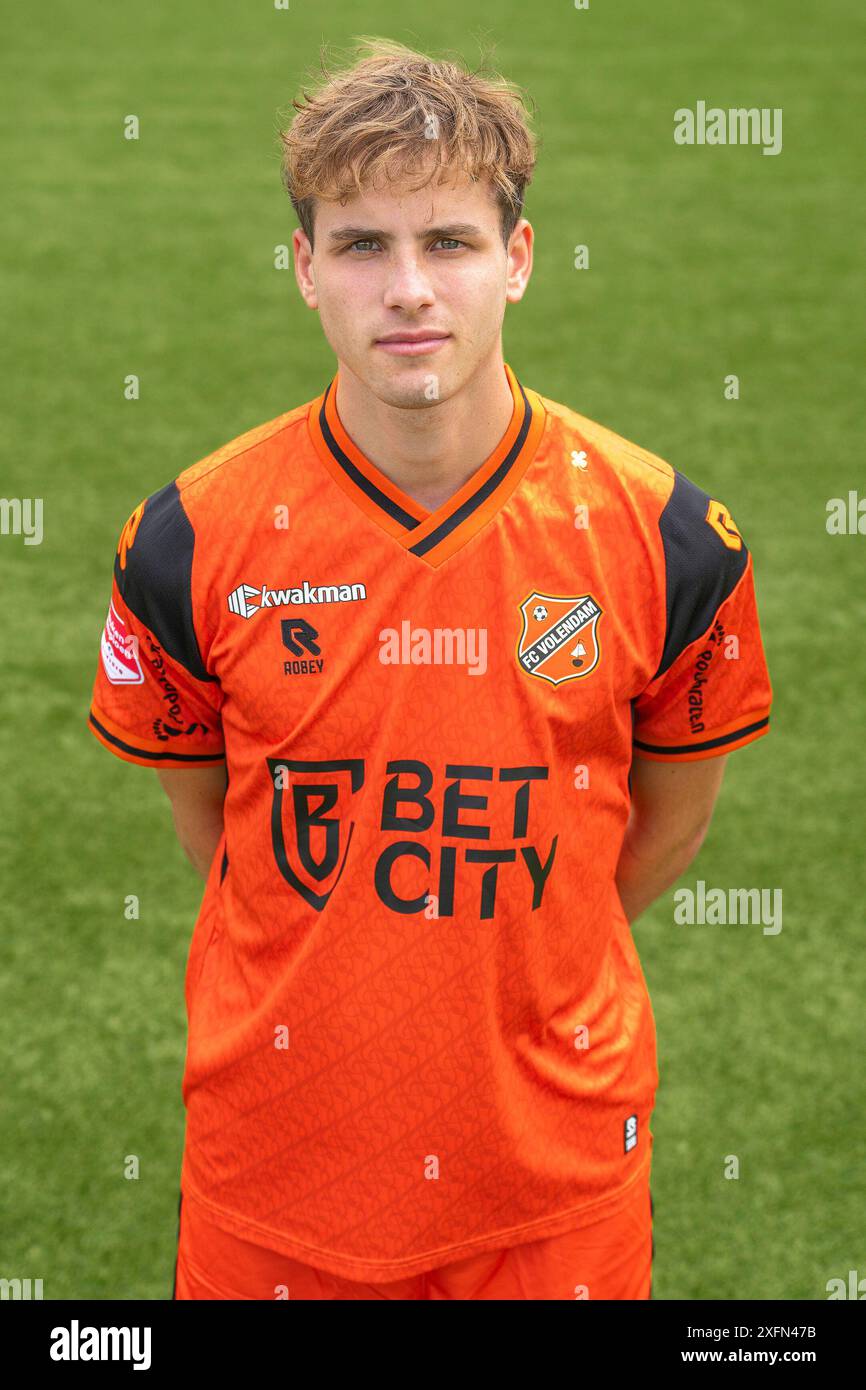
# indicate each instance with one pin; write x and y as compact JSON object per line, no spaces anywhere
{"x":418,"y":1024}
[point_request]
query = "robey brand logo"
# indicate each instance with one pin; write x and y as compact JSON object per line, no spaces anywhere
{"x":247,"y":599}
{"x":127,"y":535}
{"x":723,"y":524}
{"x":559,"y":641}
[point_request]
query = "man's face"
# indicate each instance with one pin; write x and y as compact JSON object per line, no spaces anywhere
{"x":430,"y":262}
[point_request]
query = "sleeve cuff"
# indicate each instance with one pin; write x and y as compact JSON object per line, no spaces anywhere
{"x":711,"y":745}
{"x":147,"y":752}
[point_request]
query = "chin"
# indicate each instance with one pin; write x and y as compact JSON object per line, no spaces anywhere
{"x":407,"y":384}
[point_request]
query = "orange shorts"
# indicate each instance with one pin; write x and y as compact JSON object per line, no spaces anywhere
{"x":609,"y":1259}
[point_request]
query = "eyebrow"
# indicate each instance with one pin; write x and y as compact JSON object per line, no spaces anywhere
{"x":454,"y":229}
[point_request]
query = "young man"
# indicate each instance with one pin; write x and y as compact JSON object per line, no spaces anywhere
{"x":469,"y":666}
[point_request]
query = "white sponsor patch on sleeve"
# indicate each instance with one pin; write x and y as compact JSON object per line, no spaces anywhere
{"x":120,"y":651}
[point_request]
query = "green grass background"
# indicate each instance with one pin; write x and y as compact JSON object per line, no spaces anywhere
{"x":156,"y":257}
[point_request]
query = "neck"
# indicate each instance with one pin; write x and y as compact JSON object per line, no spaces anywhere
{"x":429,"y":451}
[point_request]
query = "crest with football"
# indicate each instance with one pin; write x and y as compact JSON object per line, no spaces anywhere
{"x":559,"y":640}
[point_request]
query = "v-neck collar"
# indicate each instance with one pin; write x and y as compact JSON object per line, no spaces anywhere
{"x":432,"y":536}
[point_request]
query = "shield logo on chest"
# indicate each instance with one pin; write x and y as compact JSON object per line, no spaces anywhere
{"x":311,"y":821}
{"x":559,"y":641}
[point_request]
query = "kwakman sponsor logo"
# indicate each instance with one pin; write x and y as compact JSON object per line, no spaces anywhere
{"x":246,"y":599}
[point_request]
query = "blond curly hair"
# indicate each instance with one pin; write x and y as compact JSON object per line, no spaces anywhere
{"x":377,"y":120}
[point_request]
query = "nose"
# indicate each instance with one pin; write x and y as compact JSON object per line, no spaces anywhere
{"x":408,"y":286}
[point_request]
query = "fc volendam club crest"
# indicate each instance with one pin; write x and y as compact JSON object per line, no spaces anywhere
{"x":559,"y":641}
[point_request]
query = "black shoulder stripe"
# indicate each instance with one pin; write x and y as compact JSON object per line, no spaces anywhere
{"x":701,"y":570}
{"x":156,"y":582}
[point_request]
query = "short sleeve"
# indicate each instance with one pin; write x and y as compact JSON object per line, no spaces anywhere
{"x":711,"y":693}
{"x":153,"y":700}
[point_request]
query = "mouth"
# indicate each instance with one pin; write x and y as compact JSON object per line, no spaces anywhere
{"x":412,"y":344}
